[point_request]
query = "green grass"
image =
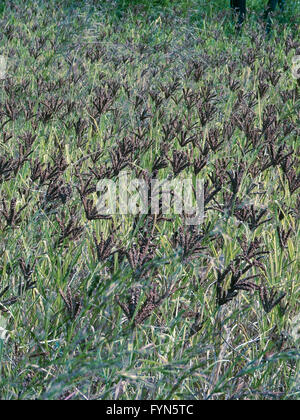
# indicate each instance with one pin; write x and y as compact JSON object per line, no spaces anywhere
{"x":190,"y":347}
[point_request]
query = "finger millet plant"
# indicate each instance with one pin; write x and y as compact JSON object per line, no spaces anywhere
{"x":144,"y":306}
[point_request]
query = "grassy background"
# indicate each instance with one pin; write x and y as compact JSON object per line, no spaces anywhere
{"x":67,"y":337}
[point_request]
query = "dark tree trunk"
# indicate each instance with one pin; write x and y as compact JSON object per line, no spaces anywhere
{"x":239,"y":7}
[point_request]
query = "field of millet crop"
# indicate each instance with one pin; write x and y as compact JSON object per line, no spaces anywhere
{"x":147,"y":306}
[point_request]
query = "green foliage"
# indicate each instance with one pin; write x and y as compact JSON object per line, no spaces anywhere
{"x":2,"y":6}
{"x":151,"y":7}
